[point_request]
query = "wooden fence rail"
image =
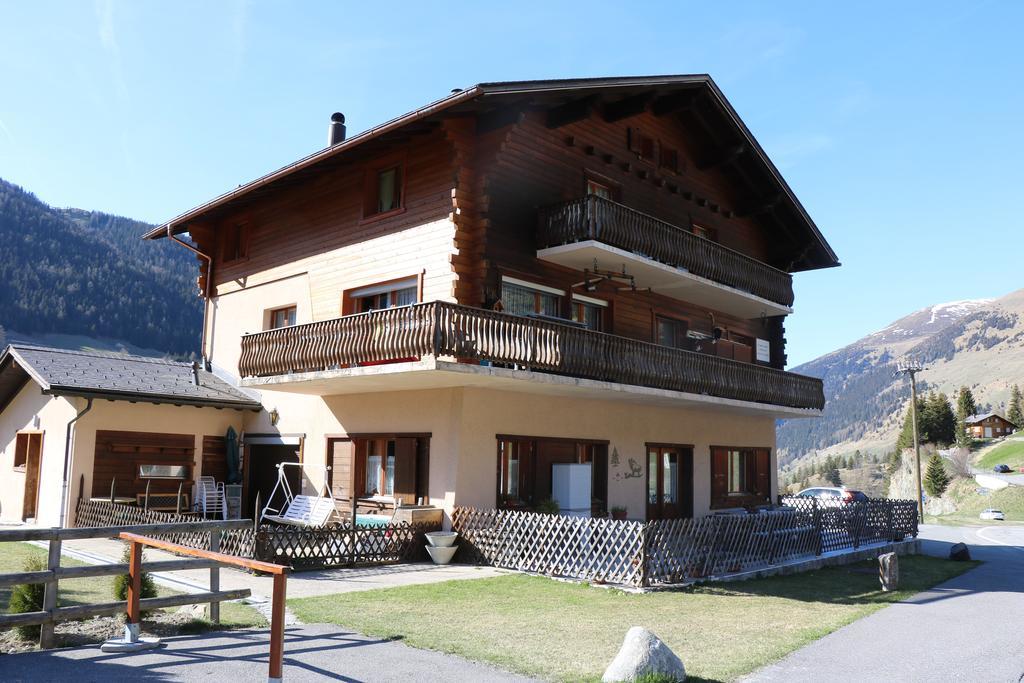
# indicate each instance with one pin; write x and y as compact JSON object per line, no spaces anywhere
{"x":441,"y":329}
{"x":50,"y":614}
{"x":675,"y":551}
{"x":603,"y":220}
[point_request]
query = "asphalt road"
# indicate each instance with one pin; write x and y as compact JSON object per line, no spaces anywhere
{"x":312,"y":653}
{"x":967,"y":629}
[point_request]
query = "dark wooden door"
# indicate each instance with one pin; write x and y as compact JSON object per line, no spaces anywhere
{"x":669,"y":482}
{"x":261,"y":473}
{"x":33,"y":458}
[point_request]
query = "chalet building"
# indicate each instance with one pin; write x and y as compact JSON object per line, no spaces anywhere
{"x":988,"y":426}
{"x":86,"y":424}
{"x":447,"y":305}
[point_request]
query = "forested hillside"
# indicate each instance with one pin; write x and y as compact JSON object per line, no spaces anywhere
{"x":85,"y":273}
{"x":978,"y":344}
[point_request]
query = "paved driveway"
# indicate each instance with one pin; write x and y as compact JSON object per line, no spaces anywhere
{"x":312,"y":653}
{"x":967,"y":629}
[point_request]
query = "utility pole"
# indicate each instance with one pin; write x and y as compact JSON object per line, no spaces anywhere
{"x":911,"y":367}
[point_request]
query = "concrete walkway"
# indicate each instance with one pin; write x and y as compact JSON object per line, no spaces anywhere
{"x":300,"y":584}
{"x":311,"y":653}
{"x":967,"y":629}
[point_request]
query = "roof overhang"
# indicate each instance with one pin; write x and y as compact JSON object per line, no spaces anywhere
{"x":561,"y":92}
{"x":16,"y":372}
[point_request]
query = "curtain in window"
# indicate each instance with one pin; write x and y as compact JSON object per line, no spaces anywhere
{"x":387,"y":182}
{"x":405,"y":297}
{"x":373,"y":483}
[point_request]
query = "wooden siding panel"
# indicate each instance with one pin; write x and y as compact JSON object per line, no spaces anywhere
{"x":119,"y":453}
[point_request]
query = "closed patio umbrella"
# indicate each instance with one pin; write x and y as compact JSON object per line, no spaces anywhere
{"x":231,"y":455}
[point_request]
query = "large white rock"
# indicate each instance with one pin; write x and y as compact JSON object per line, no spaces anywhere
{"x":641,"y":653}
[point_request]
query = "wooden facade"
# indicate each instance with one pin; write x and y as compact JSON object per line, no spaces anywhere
{"x":989,"y":426}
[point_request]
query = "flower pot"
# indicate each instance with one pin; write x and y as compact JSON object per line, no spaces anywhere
{"x":619,"y":515}
{"x":441,"y":539}
{"x":441,"y":554}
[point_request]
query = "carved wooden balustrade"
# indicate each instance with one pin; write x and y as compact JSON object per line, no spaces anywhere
{"x":602,"y":220}
{"x":450,"y":330}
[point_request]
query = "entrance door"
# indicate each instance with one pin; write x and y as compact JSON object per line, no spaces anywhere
{"x":988,"y":432}
{"x":31,"y":447}
{"x":669,"y":482}
{"x":261,"y":462}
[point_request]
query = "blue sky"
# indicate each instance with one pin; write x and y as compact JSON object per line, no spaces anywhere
{"x":897,"y":124}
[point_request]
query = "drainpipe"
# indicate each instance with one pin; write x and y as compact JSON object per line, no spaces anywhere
{"x":206,"y":291}
{"x":67,"y":460}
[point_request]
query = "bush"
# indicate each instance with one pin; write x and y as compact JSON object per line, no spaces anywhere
{"x":121,"y":582}
{"x":548,"y":506}
{"x":27,"y":597}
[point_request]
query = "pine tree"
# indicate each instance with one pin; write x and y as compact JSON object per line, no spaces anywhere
{"x":832,"y":472}
{"x":965,"y":405}
{"x":935,"y":478}
{"x":1015,"y":413}
{"x":906,"y":438}
{"x":941,"y":420}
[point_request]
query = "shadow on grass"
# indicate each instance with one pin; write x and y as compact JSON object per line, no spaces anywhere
{"x":855,"y":584}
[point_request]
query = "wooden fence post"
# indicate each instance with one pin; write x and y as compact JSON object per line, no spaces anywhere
{"x":277,"y":628}
{"x":215,"y":578}
{"x":50,"y":593}
{"x":131,"y":629}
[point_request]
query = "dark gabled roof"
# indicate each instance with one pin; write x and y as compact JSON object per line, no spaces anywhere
{"x":974,"y":419}
{"x":617,"y":91}
{"x":114,"y":376}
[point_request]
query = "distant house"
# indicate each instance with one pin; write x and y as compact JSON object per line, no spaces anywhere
{"x":988,"y":426}
{"x":86,"y":423}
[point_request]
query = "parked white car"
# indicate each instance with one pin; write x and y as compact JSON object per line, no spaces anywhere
{"x":828,"y":496}
{"x":992,"y":514}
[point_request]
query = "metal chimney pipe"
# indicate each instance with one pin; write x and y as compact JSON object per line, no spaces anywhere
{"x":336,"y":131}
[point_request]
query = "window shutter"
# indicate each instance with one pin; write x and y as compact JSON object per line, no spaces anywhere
{"x":763,"y":481}
{"x":405,"y":470}
{"x":719,"y":472}
{"x":342,"y":475}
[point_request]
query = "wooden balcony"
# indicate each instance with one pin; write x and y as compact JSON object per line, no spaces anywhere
{"x":568,"y":234}
{"x":440,"y":329}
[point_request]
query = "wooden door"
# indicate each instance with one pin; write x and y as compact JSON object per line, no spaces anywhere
{"x":669,"y":482}
{"x":33,"y":444}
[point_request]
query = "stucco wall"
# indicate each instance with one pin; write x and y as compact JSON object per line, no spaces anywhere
{"x":143,"y":417}
{"x":53,"y":413}
{"x":465,"y":421}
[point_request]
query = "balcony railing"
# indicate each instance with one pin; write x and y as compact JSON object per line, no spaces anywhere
{"x":602,"y":220}
{"x":444,"y":329}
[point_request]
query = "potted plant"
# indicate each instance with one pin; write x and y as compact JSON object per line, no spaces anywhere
{"x":547,"y":507}
{"x":619,"y":512}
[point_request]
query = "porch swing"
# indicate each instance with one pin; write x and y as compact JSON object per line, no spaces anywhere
{"x":301,"y":510}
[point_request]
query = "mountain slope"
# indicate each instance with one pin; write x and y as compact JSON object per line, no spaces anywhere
{"x":977,"y":343}
{"x":74,"y":272}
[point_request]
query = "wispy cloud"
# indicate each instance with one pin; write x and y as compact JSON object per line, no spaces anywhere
{"x":105,"y":19}
{"x":7,"y":132}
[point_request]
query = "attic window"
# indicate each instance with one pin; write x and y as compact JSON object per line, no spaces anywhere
{"x":643,"y":145}
{"x":384,"y":189}
{"x":668,"y":159}
{"x":234,"y":244}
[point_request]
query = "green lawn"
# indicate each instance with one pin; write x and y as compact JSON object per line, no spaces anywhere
{"x":1009,"y":453}
{"x":101,"y":589}
{"x":569,"y":632}
{"x":970,"y":503}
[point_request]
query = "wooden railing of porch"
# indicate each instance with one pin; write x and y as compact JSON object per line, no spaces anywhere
{"x":443,"y":329}
{"x":602,"y":220}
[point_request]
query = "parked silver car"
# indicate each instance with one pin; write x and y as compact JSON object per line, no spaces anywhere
{"x":834,"y":496}
{"x":992,"y":514}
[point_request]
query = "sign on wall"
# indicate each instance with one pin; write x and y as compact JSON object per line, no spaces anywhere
{"x":764,"y":351}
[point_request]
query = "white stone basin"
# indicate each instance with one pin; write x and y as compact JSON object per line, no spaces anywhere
{"x":441,"y":539}
{"x":441,"y":554}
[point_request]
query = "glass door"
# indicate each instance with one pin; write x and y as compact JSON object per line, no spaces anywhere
{"x":669,"y":482}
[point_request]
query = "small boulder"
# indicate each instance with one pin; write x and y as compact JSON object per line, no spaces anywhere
{"x":644,"y":654}
{"x":889,"y":571}
{"x":194,"y":611}
{"x":960,"y":552}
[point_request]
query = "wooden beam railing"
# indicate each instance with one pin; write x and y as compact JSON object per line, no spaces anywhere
{"x":138,"y":536}
{"x":442,"y":329}
{"x":602,"y":220}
